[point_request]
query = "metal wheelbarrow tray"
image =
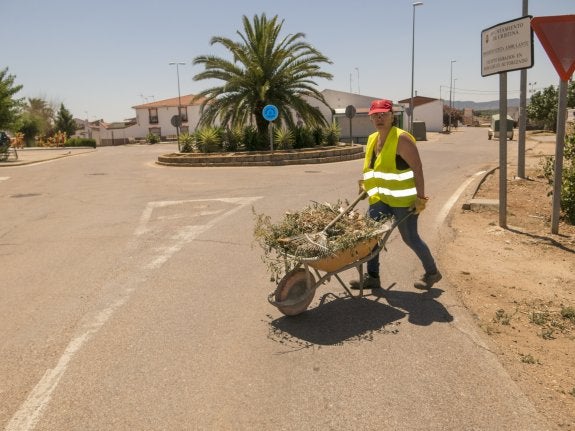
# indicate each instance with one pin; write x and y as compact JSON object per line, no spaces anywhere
{"x":296,"y":289}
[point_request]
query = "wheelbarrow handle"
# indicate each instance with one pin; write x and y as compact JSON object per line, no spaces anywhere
{"x":361,"y":196}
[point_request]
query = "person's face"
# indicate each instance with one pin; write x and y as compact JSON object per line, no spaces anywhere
{"x":382,"y":119}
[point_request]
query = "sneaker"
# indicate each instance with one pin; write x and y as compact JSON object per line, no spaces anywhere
{"x":369,"y":282}
{"x":427,"y":280}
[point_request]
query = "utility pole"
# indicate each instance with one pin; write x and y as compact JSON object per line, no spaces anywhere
{"x":522,"y":113}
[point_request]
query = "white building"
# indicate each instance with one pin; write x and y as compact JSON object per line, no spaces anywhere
{"x":427,"y":110}
{"x":156,"y":117}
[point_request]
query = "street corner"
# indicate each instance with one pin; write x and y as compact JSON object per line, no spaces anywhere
{"x":27,"y":156}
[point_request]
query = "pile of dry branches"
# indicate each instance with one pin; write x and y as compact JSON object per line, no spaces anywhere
{"x":286,"y":242}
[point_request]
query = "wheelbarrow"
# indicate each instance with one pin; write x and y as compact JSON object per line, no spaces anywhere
{"x":297,"y":288}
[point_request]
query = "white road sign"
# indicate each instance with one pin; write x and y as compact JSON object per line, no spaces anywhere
{"x":507,"y":46}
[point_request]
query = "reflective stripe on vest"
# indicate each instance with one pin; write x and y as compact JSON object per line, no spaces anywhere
{"x":393,"y":193}
{"x":386,"y":176}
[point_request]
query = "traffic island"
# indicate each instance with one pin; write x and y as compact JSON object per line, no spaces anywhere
{"x":338,"y":153}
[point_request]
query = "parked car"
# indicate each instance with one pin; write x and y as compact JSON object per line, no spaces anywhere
{"x":493,"y":132}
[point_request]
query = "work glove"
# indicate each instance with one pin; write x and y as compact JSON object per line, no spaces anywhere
{"x":419,"y":204}
{"x":361,"y":188}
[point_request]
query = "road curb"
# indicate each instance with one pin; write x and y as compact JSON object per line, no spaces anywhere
{"x":39,"y":158}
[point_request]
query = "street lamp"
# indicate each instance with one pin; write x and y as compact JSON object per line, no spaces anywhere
{"x":178,"y":64}
{"x":450,"y":89}
{"x":357,"y":69}
{"x":412,"y":64}
{"x":454,"y":79}
{"x":350,"y":89}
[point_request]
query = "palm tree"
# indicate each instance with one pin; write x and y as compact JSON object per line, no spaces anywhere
{"x":41,"y":110}
{"x":265,"y":70}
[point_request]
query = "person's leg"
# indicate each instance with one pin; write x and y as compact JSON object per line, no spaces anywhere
{"x":408,"y":231}
{"x":377,"y":211}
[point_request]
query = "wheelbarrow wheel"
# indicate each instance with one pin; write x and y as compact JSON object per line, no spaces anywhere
{"x":294,"y":292}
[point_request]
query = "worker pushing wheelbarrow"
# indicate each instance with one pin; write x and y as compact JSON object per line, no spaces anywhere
{"x":393,"y":180}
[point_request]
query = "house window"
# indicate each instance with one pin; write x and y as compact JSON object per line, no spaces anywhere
{"x":184,"y":129}
{"x":153,"y":115}
{"x":184,"y":114}
{"x":156,"y":131}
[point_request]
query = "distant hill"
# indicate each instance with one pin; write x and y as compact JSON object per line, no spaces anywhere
{"x":480,"y":106}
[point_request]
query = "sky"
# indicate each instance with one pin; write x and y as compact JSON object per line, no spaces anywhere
{"x":102,"y":58}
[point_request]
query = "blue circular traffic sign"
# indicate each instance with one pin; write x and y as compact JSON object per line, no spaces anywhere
{"x":270,"y":112}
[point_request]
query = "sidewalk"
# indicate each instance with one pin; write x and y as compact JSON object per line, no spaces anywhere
{"x":27,"y":156}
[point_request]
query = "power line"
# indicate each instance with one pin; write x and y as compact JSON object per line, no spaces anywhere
{"x":472,"y":91}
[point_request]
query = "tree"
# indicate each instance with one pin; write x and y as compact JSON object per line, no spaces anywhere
{"x":571,"y":95}
{"x":65,"y":122}
{"x":29,"y":125}
{"x":542,"y":108}
{"x":9,"y":106}
{"x":265,"y":70}
{"x":41,"y":110}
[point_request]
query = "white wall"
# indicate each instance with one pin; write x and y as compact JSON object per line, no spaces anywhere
{"x":142,"y":127}
{"x":430,"y":113}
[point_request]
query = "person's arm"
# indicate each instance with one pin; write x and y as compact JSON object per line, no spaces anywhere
{"x":407,"y":149}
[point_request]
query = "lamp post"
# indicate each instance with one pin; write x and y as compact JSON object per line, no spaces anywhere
{"x":350,"y":89}
{"x":412,"y":64}
{"x":450,"y":89}
{"x":178,"y":64}
{"x":88,"y":129}
{"x":454,"y":79}
{"x":357,"y":70}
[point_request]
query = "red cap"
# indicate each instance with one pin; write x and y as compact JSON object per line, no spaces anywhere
{"x":382,"y":105}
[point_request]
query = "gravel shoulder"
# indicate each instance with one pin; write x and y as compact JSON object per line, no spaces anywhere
{"x":519,"y":282}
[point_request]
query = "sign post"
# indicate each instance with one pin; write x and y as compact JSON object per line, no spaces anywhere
{"x":557,"y":35}
{"x":505,"y":47}
{"x":270,"y":113}
{"x":350,"y":113}
{"x":176,"y":121}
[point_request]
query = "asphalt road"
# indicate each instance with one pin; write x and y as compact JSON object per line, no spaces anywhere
{"x":133,"y":298}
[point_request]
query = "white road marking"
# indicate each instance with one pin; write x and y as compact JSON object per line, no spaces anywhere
{"x":451,"y":201}
{"x":30,"y":412}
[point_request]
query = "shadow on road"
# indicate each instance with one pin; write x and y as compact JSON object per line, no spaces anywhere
{"x":339,"y":318}
{"x":422,"y":308}
{"x":335,"y":321}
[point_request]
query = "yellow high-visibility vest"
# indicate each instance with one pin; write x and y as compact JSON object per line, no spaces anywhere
{"x":385,"y":182}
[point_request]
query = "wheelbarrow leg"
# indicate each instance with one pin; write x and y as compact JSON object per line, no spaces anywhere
{"x":350,"y":293}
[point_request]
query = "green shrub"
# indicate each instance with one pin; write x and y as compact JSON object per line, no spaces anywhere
{"x":80,"y":142}
{"x":303,"y":137}
{"x":187,"y":143}
{"x":232,"y":139}
{"x":283,"y":138}
{"x":208,"y":140}
{"x":332,"y":134}
{"x":568,"y":193}
{"x":568,"y":313}
{"x":253,"y":141}
{"x":318,"y":134}
{"x":568,"y":177}
{"x":152,"y":138}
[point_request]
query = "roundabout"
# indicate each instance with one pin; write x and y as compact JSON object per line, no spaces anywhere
{"x":338,"y":153}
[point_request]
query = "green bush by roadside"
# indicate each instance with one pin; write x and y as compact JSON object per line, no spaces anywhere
{"x":568,"y":178}
{"x":80,"y":142}
{"x":212,"y":139}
